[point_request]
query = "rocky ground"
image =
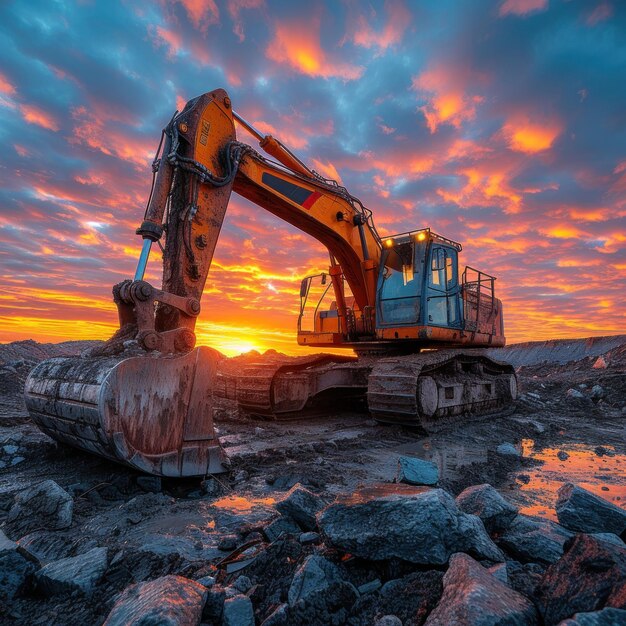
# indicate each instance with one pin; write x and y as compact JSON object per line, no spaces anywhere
{"x":334,"y":520}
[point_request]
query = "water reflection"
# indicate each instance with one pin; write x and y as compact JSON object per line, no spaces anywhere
{"x":242,"y":504}
{"x":450,"y":456}
{"x":603,"y":475}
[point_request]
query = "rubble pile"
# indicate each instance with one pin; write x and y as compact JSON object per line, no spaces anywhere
{"x":342,"y":523}
{"x":375,"y":556}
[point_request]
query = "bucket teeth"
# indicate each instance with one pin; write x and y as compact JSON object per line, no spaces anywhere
{"x":152,"y":413}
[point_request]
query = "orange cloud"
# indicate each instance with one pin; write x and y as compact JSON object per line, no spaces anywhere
{"x":5,"y":86}
{"x":392,"y":32}
{"x":39,"y":117}
{"x":327,"y":169}
{"x":202,"y":13}
{"x":522,"y":7}
{"x":523,"y":135}
{"x":169,"y":38}
{"x":297,"y":44}
{"x":447,"y":101}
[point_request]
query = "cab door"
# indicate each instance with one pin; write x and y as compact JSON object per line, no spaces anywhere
{"x":442,"y":288}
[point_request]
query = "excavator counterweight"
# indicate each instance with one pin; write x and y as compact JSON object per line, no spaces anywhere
{"x":145,"y":397}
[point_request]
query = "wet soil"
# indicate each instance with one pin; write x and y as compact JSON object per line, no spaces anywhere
{"x":561,"y":436}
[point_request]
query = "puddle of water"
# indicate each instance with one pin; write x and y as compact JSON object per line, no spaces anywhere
{"x":604,"y":476}
{"x":450,"y":456}
{"x":242,"y":504}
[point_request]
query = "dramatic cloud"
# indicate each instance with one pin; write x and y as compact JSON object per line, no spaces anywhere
{"x":498,"y":123}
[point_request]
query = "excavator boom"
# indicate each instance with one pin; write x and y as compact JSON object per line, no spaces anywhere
{"x":144,"y":398}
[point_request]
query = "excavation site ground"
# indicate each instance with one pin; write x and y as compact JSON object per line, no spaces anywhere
{"x":568,"y":426}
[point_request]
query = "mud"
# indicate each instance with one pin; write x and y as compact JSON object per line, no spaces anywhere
{"x":569,"y":425}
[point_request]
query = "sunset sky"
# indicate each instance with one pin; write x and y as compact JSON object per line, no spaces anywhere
{"x":498,"y":123}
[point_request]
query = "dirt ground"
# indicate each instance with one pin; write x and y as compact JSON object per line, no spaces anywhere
{"x":569,"y":425}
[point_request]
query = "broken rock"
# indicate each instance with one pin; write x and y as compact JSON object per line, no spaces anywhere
{"x":16,"y":569}
{"x":315,"y":575}
{"x":583,"y":511}
{"x":425,"y":528}
{"x":414,"y":471}
{"x":171,"y":600}
{"x":605,"y":617}
{"x":473,"y":597}
{"x":508,"y":449}
{"x":76,"y":573}
{"x":302,"y":505}
{"x":533,"y":540}
{"x":483,"y":500}
{"x":238,"y":611}
{"x":45,"y":505}
{"x":588,"y":574}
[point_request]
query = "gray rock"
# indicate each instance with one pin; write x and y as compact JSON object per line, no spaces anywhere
{"x":243,"y":584}
{"x":310,"y":537}
{"x":609,"y":538}
{"x":372,"y":585}
{"x":302,"y":505}
{"x":76,"y":573}
{"x":388,"y":620}
{"x":508,"y":449}
{"x":10,"y":449}
{"x":46,"y":546}
{"x":605,"y":617}
{"x":532,"y":540}
{"x":495,"y":512}
{"x":582,"y":511}
{"x":16,"y":569}
{"x":500,"y":572}
{"x":211,"y":487}
{"x":414,"y":471}
{"x":597,"y":392}
{"x":574,"y":393}
{"x":424,"y":528}
{"x":171,"y":600}
{"x":238,"y":611}
{"x":473,"y":597}
{"x":315,"y":575}
{"x":206,"y":581}
{"x":280,"y":617}
{"x":562,"y":455}
{"x":281,"y":526}
{"x":45,"y":505}
{"x":214,"y":604}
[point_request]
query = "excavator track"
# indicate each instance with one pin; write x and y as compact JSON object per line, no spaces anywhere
{"x":146,"y":410}
{"x":276,"y":386}
{"x":434,"y":389}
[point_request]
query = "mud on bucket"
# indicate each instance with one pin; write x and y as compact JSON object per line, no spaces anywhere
{"x":151,"y":412}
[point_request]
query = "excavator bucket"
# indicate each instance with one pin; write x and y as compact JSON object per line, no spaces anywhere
{"x":148,"y":411}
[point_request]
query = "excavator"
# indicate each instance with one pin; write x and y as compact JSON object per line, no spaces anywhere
{"x":417,"y":326}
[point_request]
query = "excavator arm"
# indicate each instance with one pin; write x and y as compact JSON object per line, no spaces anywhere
{"x":201,"y":164}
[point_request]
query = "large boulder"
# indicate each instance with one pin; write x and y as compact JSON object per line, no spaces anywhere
{"x":45,"y":505}
{"x":532,"y":540}
{"x":75,"y":573}
{"x":171,"y":600}
{"x":16,"y":569}
{"x":486,"y":502}
{"x":425,"y":528}
{"x":605,"y":617}
{"x":414,"y":471}
{"x":301,"y":505}
{"x":583,"y":511}
{"x":473,"y":597}
{"x":583,"y":579}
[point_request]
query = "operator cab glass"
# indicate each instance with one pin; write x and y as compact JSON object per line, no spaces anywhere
{"x":418,"y":282}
